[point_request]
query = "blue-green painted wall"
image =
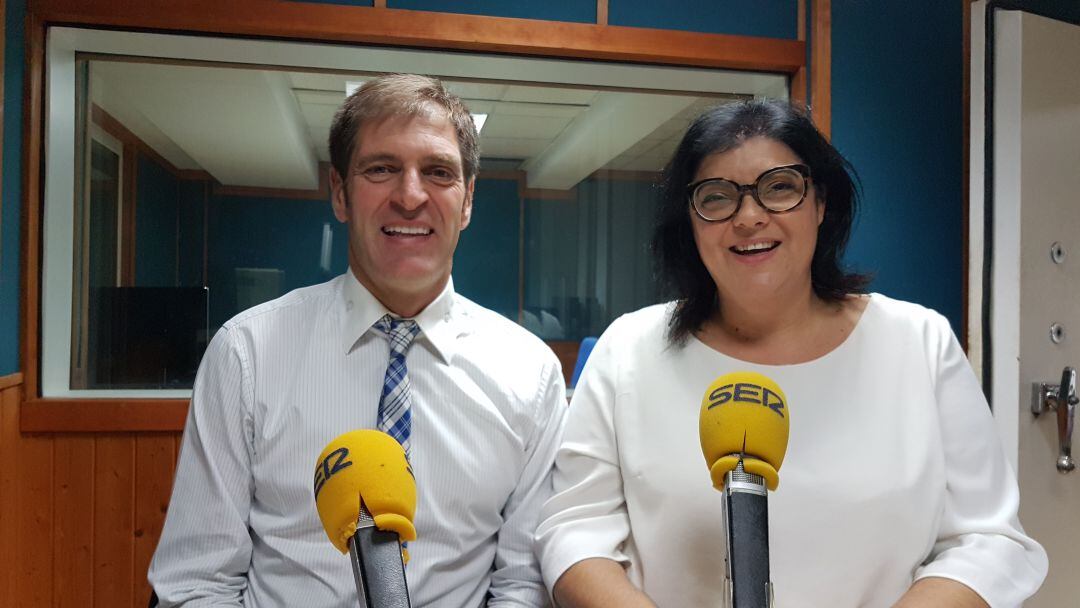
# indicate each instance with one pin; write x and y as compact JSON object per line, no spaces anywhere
{"x":244,"y":234}
{"x":156,"y":225}
{"x":487,"y":259}
{"x":11,"y":188}
{"x":767,"y":18}
{"x":897,"y":116}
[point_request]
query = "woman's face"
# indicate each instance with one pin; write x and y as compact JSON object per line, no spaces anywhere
{"x":757,"y":254}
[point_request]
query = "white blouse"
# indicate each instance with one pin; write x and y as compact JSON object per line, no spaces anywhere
{"x":893,"y":470}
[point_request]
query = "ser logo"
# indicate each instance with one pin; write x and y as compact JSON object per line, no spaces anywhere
{"x":746,"y":392}
{"x":334,"y":462}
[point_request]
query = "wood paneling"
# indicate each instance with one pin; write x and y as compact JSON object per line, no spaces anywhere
{"x":114,"y":520}
{"x":84,"y":512}
{"x":34,"y":536}
{"x":567,"y":352}
{"x":821,"y":66}
{"x":73,"y":541}
{"x":9,"y":485}
{"x":155,"y":461}
{"x":32,"y":197}
{"x":103,"y":415}
{"x":10,"y":380}
{"x":426,"y":29}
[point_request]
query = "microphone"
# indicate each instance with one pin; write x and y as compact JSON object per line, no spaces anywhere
{"x":366,"y":497}
{"x":744,"y":434}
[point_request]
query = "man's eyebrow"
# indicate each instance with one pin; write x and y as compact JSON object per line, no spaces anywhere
{"x":443,"y":159}
{"x":372,"y":158}
{"x":440,"y":159}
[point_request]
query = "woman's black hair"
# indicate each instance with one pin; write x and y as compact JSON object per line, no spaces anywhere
{"x":724,"y":128}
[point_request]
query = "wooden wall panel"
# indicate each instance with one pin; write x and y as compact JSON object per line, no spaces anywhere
{"x":154,"y":465}
{"x":34,"y":536}
{"x":73,"y":539}
{"x":9,"y":432}
{"x":114,"y":520}
{"x":84,"y":511}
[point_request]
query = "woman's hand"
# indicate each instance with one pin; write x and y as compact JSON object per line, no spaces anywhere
{"x":940,"y":593}
{"x":598,"y":583}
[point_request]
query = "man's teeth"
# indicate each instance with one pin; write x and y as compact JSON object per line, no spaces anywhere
{"x":755,"y":246}
{"x":406,"y":230}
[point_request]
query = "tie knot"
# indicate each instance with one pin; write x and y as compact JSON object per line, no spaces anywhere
{"x":399,"y":332}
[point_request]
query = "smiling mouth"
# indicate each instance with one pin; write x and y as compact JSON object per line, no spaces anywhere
{"x":755,"y":248}
{"x":406,"y":231}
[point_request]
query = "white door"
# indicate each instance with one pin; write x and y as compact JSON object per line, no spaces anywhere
{"x":1036,"y":266}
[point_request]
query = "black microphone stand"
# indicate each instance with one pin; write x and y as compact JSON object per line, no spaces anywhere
{"x":377,"y":565}
{"x":746,"y":527}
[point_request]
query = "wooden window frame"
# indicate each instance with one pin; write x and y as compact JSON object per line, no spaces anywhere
{"x":309,"y":22}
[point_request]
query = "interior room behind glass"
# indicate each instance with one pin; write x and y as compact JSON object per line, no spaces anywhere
{"x":202,"y":190}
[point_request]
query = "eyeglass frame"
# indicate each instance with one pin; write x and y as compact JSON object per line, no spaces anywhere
{"x":751,"y":189}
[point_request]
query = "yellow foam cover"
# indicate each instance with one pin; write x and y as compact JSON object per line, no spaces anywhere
{"x":744,"y":416}
{"x":368,"y":466}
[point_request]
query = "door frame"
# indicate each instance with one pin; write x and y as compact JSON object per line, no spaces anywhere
{"x":993,"y":307}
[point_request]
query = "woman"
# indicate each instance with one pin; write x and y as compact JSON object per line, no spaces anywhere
{"x":894,"y":490}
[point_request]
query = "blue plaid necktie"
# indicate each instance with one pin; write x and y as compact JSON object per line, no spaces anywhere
{"x":395,"y":413}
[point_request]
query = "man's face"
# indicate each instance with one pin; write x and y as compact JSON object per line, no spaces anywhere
{"x":405,"y":201}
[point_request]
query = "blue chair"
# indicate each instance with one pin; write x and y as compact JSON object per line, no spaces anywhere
{"x":582,"y":356}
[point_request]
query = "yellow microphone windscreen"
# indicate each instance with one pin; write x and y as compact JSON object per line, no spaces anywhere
{"x":368,"y":466}
{"x":744,"y":416}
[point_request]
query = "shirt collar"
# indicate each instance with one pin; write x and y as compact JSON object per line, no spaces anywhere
{"x":362,"y":310}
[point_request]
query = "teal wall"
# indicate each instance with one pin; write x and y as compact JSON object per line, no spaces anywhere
{"x":487,"y":260}
{"x":11,"y":188}
{"x":286,"y":234}
{"x":157,"y":193}
{"x":896,"y":110}
{"x":897,"y":113}
{"x":243,"y":233}
{"x":768,"y":18}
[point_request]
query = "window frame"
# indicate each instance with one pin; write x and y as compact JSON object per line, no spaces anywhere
{"x":324,"y":23}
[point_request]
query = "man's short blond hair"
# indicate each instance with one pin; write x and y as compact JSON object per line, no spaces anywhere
{"x":402,"y":95}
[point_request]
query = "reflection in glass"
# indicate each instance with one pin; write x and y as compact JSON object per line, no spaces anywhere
{"x":205,"y":192}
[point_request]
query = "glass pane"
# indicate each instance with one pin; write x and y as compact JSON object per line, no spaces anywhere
{"x":204,"y":192}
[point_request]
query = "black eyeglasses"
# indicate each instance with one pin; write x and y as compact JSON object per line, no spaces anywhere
{"x":777,"y":190}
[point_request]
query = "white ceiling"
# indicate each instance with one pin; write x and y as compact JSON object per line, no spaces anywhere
{"x":268,"y":128}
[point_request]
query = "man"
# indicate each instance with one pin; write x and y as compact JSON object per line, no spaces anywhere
{"x":477,"y":401}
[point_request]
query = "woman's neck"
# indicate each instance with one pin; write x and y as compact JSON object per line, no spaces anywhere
{"x":780,"y":330}
{"x":748,"y":319}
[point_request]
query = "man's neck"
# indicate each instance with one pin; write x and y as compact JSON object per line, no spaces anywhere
{"x":406,"y":305}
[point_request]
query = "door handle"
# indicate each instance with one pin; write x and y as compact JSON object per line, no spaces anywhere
{"x":1062,"y":399}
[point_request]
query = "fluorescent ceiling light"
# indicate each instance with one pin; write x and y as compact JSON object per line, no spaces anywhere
{"x":479,"y":119}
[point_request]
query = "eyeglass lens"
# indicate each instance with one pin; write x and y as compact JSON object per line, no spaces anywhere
{"x":778,"y":190}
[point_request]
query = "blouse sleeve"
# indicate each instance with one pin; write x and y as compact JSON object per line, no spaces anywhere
{"x":980,"y":540}
{"x":586,"y":517}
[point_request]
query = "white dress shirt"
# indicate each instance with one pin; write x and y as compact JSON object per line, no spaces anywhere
{"x":893,"y":470}
{"x":281,"y":380}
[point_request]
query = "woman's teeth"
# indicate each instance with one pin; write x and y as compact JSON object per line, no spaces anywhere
{"x":755,"y":247}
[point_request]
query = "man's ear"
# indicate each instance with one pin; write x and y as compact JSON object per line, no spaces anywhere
{"x":339,"y":196}
{"x":466,"y":206}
